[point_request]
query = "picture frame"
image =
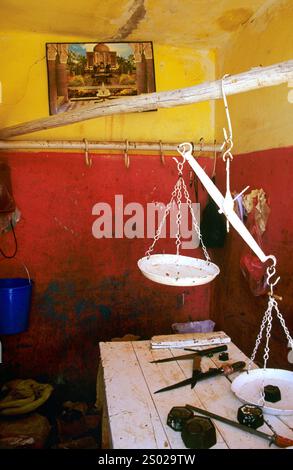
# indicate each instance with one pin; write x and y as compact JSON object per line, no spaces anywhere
{"x":83,"y":73}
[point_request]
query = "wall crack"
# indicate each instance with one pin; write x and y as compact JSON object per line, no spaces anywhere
{"x":137,"y":11}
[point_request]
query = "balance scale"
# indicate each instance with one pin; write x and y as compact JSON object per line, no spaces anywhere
{"x":185,"y":271}
{"x":178,"y":270}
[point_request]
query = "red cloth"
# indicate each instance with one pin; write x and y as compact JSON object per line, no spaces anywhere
{"x":252,"y":268}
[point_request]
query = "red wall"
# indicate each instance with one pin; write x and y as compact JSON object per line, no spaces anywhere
{"x":234,"y":307}
{"x":87,"y":290}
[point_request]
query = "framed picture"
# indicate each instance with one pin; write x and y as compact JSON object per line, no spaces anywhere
{"x":83,"y":73}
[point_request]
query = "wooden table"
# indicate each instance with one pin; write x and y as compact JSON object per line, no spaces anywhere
{"x":135,"y":418}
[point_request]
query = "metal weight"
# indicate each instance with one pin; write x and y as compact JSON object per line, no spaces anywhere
{"x":178,"y":416}
{"x":272,"y":393}
{"x":250,"y":415}
{"x":199,"y":433}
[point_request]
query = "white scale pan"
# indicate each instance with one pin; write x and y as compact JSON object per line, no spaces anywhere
{"x":248,"y":386}
{"x":178,"y":270}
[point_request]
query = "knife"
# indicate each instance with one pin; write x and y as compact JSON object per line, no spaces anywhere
{"x":203,"y":352}
{"x":212,"y":372}
{"x":196,"y":370}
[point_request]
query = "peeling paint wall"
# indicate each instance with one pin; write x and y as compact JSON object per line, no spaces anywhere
{"x":86,"y":289}
{"x":136,"y":13}
{"x":261,"y":119}
{"x":25,"y":94}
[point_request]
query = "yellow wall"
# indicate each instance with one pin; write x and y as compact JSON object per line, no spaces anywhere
{"x":25,"y":94}
{"x":263,"y":118}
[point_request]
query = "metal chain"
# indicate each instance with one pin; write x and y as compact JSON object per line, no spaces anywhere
{"x":177,"y":196}
{"x":159,"y":230}
{"x":268,"y":333}
{"x":265,"y":319}
{"x":227,"y":146}
{"x":282,"y":321}
{"x":194,"y":221}
{"x":178,"y":216}
{"x":271,"y":271}
{"x":228,"y":140}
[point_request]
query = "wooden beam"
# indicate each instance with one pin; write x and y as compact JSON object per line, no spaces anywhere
{"x":255,"y":78}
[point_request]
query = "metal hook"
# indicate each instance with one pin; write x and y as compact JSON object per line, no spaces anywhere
{"x":201,"y":143}
{"x":88,"y":160}
{"x":274,"y":260}
{"x":126,"y":156}
{"x":228,"y":140}
{"x":161,"y":153}
{"x":229,"y":145}
{"x":181,"y":149}
{"x":226,"y":107}
{"x":271,"y":271}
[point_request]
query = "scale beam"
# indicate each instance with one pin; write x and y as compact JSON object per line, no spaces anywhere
{"x":219,"y":200}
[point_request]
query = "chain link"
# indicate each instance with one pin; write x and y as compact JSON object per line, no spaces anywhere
{"x":194,"y":221}
{"x":179,"y":215}
{"x":266,"y":318}
{"x":268,"y":333}
{"x":282,"y":321}
{"x":159,"y":230}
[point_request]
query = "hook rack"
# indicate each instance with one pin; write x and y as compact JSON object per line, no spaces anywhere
{"x":161,"y":153}
{"x":88,"y":160}
{"x":201,"y":143}
{"x":126,"y":155}
{"x":99,"y":145}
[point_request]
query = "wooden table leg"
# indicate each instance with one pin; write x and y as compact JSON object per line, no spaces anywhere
{"x":101,"y":404}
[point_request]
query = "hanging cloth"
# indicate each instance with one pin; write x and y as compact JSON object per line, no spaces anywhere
{"x":253,"y":269}
{"x":7,"y":206}
{"x":213,"y":225}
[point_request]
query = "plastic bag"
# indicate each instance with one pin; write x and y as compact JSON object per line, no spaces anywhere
{"x":203,"y":326}
{"x":252,"y":268}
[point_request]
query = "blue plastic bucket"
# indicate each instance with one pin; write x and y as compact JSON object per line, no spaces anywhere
{"x":15,"y":301}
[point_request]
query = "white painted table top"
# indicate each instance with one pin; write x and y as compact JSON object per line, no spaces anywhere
{"x":137,"y":416}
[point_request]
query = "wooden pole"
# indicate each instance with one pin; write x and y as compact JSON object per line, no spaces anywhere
{"x":255,"y":78}
{"x":95,"y":145}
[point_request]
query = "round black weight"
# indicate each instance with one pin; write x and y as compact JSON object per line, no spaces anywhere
{"x":251,"y":416}
{"x":199,"y":433}
{"x":178,"y":416}
{"x":224,"y":356}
